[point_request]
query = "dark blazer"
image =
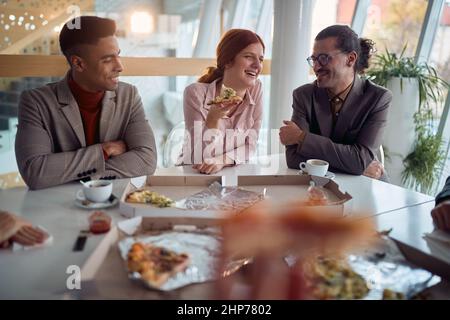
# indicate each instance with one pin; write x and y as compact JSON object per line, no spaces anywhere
{"x":445,"y":193}
{"x":51,"y":146}
{"x":355,"y":139}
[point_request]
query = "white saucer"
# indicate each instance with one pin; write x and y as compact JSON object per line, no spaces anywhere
{"x":328,"y":175}
{"x":82,"y":202}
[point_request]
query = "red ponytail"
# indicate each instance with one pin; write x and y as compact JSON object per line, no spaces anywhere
{"x":232,"y":42}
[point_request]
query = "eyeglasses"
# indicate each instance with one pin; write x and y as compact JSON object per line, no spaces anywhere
{"x":323,"y":59}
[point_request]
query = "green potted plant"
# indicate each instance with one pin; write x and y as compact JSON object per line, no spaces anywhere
{"x":423,"y":164}
{"x":415,"y":150}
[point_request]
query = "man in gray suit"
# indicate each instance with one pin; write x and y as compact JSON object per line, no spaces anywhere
{"x":88,"y":125}
{"x":340,"y":117}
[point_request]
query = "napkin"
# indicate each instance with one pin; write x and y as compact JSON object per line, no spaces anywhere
{"x":47,"y":242}
{"x":130,"y":226}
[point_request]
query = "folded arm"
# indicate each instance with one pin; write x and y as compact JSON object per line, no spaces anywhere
{"x":141,"y":156}
{"x":38,"y":164}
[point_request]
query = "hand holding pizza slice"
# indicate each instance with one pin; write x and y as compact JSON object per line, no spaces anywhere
{"x":227,"y":96}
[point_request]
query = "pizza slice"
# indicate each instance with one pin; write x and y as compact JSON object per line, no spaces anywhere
{"x":151,"y":197}
{"x":155,"y":264}
{"x":227,"y":95}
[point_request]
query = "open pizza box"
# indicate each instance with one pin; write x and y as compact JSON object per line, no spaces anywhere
{"x":291,"y":188}
{"x":174,"y":187}
{"x":104,"y":274}
{"x":276,"y":188}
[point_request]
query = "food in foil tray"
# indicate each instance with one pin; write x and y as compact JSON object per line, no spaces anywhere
{"x":334,"y":278}
{"x":155,"y":264}
{"x":338,"y":257}
{"x":195,"y":255}
{"x":151,"y":197}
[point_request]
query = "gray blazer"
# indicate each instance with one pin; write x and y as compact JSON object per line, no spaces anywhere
{"x":353,"y":142}
{"x":51,"y":146}
{"x":444,"y":195}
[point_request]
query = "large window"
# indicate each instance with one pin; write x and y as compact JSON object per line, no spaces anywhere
{"x":329,"y":12}
{"x":440,"y":59}
{"x":440,"y":52}
{"x":395,"y":23}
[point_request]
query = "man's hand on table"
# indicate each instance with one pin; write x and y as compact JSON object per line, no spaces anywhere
{"x":441,"y":215}
{"x":375,"y":170}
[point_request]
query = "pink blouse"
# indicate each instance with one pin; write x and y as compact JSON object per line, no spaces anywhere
{"x":236,"y":136}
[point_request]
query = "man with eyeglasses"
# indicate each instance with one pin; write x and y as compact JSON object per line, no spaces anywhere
{"x":340,"y":117}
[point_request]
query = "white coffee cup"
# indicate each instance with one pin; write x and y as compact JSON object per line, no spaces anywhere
{"x":97,"y":190}
{"x":315,"y":167}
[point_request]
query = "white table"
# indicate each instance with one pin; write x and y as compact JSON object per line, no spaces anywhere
{"x":41,"y":273}
{"x":369,"y":195}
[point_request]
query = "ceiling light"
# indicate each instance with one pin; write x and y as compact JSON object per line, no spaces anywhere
{"x":141,"y":22}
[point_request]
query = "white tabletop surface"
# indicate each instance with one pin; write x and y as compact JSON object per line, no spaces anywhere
{"x":41,"y":273}
{"x":368,"y":194}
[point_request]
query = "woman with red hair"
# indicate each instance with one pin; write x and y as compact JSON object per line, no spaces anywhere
{"x":224,"y":133}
